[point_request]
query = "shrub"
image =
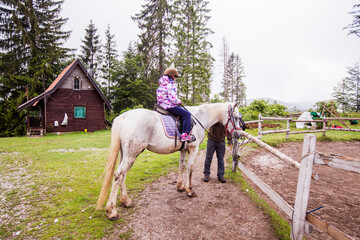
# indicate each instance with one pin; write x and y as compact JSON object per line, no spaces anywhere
{"x":252,"y":111}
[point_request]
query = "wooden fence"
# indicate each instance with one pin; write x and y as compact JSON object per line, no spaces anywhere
{"x":301,"y":220}
{"x":288,"y":132}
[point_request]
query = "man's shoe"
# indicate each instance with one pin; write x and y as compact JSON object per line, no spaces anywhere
{"x":222,"y":179}
{"x":206,"y":178}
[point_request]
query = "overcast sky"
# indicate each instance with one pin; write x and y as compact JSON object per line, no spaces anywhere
{"x":292,"y":50}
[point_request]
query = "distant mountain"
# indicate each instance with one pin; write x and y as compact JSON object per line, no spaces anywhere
{"x":302,"y":106}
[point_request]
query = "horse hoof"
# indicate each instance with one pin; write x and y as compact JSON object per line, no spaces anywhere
{"x":128,"y":204}
{"x":113,"y":216}
{"x":181,"y":189}
{"x":191,"y":194}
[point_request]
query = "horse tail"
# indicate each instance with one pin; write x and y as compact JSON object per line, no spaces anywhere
{"x":110,"y":166}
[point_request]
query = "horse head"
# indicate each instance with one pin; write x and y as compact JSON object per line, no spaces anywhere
{"x":235,"y":121}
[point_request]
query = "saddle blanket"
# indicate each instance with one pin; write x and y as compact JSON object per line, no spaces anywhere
{"x":169,"y":126}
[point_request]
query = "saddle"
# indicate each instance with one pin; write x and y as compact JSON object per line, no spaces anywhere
{"x":177,"y":119}
{"x":169,"y":122}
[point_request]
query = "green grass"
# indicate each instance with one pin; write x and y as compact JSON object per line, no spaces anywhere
{"x":59,"y":190}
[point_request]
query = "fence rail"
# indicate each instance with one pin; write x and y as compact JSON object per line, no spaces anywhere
{"x":289,"y":120}
{"x":300,"y":220}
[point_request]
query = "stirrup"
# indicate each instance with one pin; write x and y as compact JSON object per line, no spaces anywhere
{"x":192,"y":138}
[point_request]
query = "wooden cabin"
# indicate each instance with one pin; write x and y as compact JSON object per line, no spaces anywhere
{"x":73,"y":102}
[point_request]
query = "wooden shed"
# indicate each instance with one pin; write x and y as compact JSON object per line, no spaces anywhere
{"x":73,"y":102}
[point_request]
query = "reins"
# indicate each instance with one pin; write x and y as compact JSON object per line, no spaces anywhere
{"x":226,"y":132}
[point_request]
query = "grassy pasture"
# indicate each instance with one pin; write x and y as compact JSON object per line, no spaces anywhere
{"x":50,"y":184}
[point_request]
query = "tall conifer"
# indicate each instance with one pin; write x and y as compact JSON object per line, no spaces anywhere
{"x":341,"y":94}
{"x":192,"y":54}
{"x":110,"y":58}
{"x":32,"y":54}
{"x":155,"y":21}
{"x":91,"y":50}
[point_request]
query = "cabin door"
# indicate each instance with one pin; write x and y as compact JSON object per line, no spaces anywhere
{"x":80,"y":122}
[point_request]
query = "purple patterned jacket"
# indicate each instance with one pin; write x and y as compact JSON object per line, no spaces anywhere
{"x":166,"y":93}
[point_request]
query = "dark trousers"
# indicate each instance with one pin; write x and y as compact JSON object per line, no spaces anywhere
{"x":219,"y":147}
{"x":185,"y":115}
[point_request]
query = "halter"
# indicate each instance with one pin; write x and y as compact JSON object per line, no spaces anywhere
{"x":231,"y":120}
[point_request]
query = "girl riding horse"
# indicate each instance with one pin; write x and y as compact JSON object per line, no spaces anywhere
{"x":167,"y":99}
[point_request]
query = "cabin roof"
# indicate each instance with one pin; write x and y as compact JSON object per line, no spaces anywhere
{"x":58,"y":81}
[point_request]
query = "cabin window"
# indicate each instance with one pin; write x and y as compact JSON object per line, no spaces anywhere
{"x":79,"y":111}
{"x":76,"y":83}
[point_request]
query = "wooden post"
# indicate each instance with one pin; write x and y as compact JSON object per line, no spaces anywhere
{"x":259,"y":126}
{"x":235,"y":154}
{"x":303,"y":187}
{"x":288,"y":127}
{"x":324,"y":127}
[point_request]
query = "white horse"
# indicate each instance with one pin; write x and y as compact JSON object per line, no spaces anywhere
{"x":139,"y":129}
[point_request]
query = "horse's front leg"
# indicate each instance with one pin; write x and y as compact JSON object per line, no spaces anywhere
{"x":179,"y":185}
{"x":190,"y":163}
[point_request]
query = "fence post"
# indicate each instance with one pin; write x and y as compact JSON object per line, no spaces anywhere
{"x":303,"y":187}
{"x":288,"y":127}
{"x":259,"y":126}
{"x":324,"y":127}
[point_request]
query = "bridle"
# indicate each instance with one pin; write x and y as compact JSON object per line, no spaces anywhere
{"x":231,"y":120}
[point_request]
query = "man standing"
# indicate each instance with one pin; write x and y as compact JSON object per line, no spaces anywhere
{"x":216,"y":142}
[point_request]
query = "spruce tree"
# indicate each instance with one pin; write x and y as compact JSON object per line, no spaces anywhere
{"x":234,"y":89}
{"x":110,"y":58}
{"x":341,"y":94}
{"x":32,"y":55}
{"x":354,"y":86}
{"x":354,"y":27}
{"x":91,"y":50}
{"x":129,"y":85}
{"x":226,"y":82}
{"x":192,"y":54}
{"x":240,"y":88}
{"x":155,"y":21}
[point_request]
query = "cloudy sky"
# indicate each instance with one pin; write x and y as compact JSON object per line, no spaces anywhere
{"x":292,"y":50}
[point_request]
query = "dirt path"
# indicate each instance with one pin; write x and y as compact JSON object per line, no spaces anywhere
{"x":220,"y":211}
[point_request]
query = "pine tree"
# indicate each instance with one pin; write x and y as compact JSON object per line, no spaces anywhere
{"x":341,"y":94}
{"x":155,"y":21}
{"x":240,"y":88}
{"x":230,"y":75}
{"x":225,"y":81}
{"x":183,"y":10}
{"x":110,"y":55}
{"x":129,"y":85}
{"x":354,"y":27}
{"x":91,"y":50}
{"x":234,"y":88}
{"x":354,"y":85}
{"x":193,"y":57}
{"x":31,"y":39}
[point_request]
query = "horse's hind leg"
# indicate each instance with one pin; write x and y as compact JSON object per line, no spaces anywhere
{"x":179,"y":185}
{"x":119,"y":181}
